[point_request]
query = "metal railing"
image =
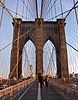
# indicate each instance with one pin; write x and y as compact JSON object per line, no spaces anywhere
{"x":67,"y":92}
{"x":9,"y":91}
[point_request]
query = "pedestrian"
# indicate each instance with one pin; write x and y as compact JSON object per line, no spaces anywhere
{"x":46,"y":80}
{"x":40,"y":79}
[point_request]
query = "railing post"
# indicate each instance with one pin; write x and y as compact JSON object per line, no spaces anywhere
{"x":3,"y":97}
{"x":11,"y":92}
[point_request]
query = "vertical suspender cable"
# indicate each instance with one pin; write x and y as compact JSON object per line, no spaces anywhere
{"x":61,"y":8}
{"x":2,"y":14}
{"x":16,"y":8}
{"x":55,"y":8}
{"x":23,"y":10}
{"x":75,"y":12}
{"x":36,"y":8}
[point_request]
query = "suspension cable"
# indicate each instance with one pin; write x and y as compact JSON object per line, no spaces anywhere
{"x":15,"y":13}
{"x":28,"y":8}
{"x":63,"y":13}
{"x":16,"y":9}
{"x":71,"y":9}
{"x":50,"y":9}
{"x":13,"y":69}
{"x":6,"y":9}
{"x":2,"y":14}
{"x":75,"y":12}
{"x":17,"y":39}
{"x":61,"y":8}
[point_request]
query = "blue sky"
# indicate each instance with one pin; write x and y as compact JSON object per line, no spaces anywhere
{"x":6,"y":33}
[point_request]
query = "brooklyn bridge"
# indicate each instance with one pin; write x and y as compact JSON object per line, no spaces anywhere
{"x":38,"y":50}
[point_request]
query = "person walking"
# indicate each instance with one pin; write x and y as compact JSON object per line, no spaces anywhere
{"x":40,"y":79}
{"x":46,"y":80}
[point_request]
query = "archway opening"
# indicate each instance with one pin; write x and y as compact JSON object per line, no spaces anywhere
{"x":49,"y":59}
{"x":29,"y":60}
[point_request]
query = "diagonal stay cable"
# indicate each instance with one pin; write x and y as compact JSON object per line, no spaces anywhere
{"x":63,"y":13}
{"x":27,"y":8}
{"x":13,"y":69}
{"x":6,"y":9}
{"x":75,"y":12}
{"x":71,"y":9}
{"x":71,"y":46}
{"x":50,"y":9}
{"x":17,"y":39}
{"x":15,"y":13}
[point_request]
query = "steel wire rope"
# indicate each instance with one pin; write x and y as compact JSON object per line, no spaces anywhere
{"x":74,"y":56}
{"x":50,"y":8}
{"x":28,"y":64}
{"x":28,"y":8}
{"x":67,"y":11}
{"x":44,"y":4}
{"x":61,"y":7}
{"x":51,"y":54}
{"x":48,"y":64}
{"x":73,"y":35}
{"x":49,"y":60}
{"x":33,"y":6}
{"x":15,"y":13}
{"x":16,"y":9}
{"x":22,"y":10}
{"x":6,"y":9}
{"x":17,"y":39}
{"x":47,"y":6}
{"x":2,"y":13}
{"x":75,"y":12}
{"x":73,"y":53}
{"x":13,"y":69}
{"x":70,"y":60}
{"x":71,"y":31}
{"x":55,"y":9}
{"x":71,"y":9}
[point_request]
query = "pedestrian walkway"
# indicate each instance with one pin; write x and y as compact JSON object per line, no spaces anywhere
{"x":50,"y":93}
{"x":35,"y":92}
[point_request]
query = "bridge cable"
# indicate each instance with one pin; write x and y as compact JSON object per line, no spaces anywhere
{"x":50,"y":9}
{"x":71,"y":9}
{"x":13,"y":69}
{"x":51,"y":58}
{"x":2,"y":14}
{"x":6,"y":9}
{"x":75,"y":12}
{"x":41,"y":8}
{"x":16,"y":8}
{"x":67,"y":11}
{"x":26,"y":60}
{"x":17,"y":38}
{"x":55,"y":8}
{"x":61,"y":8}
{"x":27,"y":8}
{"x":45,"y":8}
{"x":36,"y":8}
{"x":17,"y":13}
{"x":22,"y":10}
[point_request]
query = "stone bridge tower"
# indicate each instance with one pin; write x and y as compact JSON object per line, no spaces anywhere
{"x":39,"y":32}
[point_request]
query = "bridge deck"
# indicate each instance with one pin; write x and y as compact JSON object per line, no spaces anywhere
{"x":34,"y":92}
